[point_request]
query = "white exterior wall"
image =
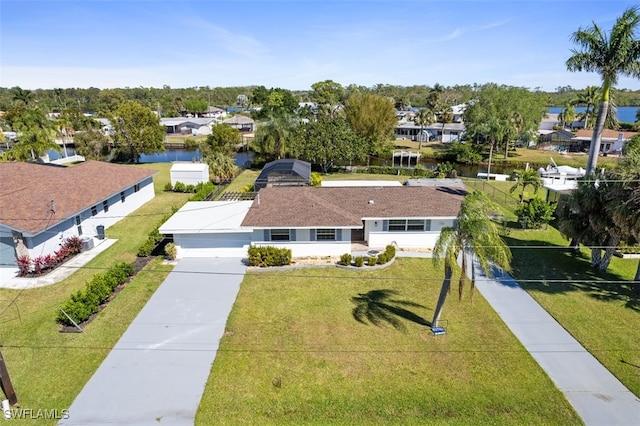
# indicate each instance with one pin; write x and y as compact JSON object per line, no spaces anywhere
{"x":377,"y":238}
{"x":189,"y":174}
{"x":49,"y":241}
{"x":224,"y":244}
{"x":304,"y":247}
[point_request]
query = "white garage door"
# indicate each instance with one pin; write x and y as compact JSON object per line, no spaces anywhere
{"x":213,"y":245}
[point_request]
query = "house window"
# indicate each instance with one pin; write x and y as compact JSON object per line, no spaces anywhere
{"x":136,"y":187}
{"x":122,"y":196}
{"x":418,"y":225}
{"x":280,"y":235}
{"x":94,"y":210}
{"x":78,"y":225}
{"x":397,"y":225}
{"x":326,"y":235}
{"x":105,"y":205}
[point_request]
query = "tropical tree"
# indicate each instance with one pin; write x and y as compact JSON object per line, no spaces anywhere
{"x":423,"y":118}
{"x":567,"y":116}
{"x":137,"y":130}
{"x":525,"y":178}
{"x":35,"y":133}
{"x":92,"y":144}
{"x":474,"y":236}
{"x":224,"y":139}
{"x":221,"y":166}
{"x":610,"y":55}
{"x":589,"y":98}
{"x":373,"y":118}
{"x":329,"y":96}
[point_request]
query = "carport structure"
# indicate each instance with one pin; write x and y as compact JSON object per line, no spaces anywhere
{"x":210,"y":229}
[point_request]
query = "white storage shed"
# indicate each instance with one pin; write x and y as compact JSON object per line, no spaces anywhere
{"x":189,"y":173}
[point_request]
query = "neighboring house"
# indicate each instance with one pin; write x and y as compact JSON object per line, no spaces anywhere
{"x":41,"y":205}
{"x":316,"y":221}
{"x":241,"y":122}
{"x":285,"y":172}
{"x":612,"y":141}
{"x":182,"y":126}
{"x":450,"y":133}
{"x":214,"y":112}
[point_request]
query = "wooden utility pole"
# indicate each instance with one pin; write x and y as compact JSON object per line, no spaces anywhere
{"x":5,"y":382}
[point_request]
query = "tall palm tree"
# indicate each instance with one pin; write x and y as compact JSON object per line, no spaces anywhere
{"x":610,"y":55}
{"x":474,"y":234}
{"x":423,"y":117}
{"x":524,"y":178}
{"x":567,"y":116}
{"x":588,"y":98}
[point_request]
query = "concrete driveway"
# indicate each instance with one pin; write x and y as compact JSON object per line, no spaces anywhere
{"x":157,"y":371}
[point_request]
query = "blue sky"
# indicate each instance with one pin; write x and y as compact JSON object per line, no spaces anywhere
{"x":293,"y":44}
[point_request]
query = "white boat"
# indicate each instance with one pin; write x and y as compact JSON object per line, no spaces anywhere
{"x":565,"y":172}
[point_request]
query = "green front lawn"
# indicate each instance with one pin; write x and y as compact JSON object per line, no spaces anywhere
{"x":601,"y":310}
{"x":294,"y":353}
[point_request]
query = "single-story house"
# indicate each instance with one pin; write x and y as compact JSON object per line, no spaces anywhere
{"x":43,"y":204}
{"x":182,"y":125}
{"x":285,"y":172}
{"x":450,"y":132}
{"x":316,"y":221}
{"x":214,"y":112}
{"x":242,"y":123}
{"x":189,"y":173}
{"x":612,"y":141}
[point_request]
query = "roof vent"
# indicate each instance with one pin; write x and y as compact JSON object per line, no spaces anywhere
{"x":371,"y":202}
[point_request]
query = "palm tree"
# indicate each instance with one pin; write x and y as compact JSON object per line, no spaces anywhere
{"x":524,"y":178}
{"x":474,"y":234}
{"x":272,"y":138}
{"x":588,"y":98}
{"x":617,"y":53}
{"x":423,"y":117}
{"x":567,"y":116}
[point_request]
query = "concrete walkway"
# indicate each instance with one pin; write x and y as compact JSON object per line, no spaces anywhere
{"x":157,"y":371}
{"x":596,"y":395}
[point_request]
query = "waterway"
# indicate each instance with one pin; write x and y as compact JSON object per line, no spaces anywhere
{"x":626,"y":114}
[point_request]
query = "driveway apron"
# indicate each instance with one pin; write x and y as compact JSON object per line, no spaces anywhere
{"x":157,"y":371}
{"x":597,"y":395}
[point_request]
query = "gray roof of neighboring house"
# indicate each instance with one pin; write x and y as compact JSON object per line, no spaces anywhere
{"x":37,"y":196}
{"x":346,"y":207}
{"x":177,"y":121}
{"x":239,"y":119}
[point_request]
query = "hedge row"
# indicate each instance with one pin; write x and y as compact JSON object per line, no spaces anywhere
{"x":154,"y":237}
{"x":200,"y":191}
{"x":386,"y":256}
{"x":84,"y":303}
{"x":269,"y":256}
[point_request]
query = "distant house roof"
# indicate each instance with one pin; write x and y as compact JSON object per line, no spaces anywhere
{"x":178,"y":121}
{"x":35,"y":197}
{"x":284,"y":172}
{"x":607,"y":134}
{"x":446,"y":182}
{"x":346,"y":207}
{"x":239,"y":119}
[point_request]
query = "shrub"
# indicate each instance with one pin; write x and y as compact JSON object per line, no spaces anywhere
{"x":247,"y":188}
{"x":390,"y":251}
{"x":382,"y":258}
{"x":171,"y":251}
{"x":359,"y":261}
{"x":24,"y":265}
{"x":168,"y":187}
{"x":372,"y":260}
{"x":190,"y":188}
{"x":345,"y":259}
{"x":84,"y":303}
{"x":315,"y":179}
{"x":269,"y":256}
{"x":179,"y":187}
{"x":73,"y":244}
{"x":146,"y":248}
{"x":534,"y":213}
{"x":39,"y":263}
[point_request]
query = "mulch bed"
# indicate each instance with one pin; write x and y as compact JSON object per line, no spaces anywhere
{"x":138,"y":265}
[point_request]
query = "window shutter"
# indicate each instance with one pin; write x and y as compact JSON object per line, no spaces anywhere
{"x":338,"y":234}
{"x":313,"y":234}
{"x":266,"y":235}
{"x":427,"y":225}
{"x":292,"y":234}
{"x":385,"y":225}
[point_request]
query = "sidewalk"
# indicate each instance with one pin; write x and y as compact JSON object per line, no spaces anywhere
{"x":596,"y":395}
{"x":156,"y":373}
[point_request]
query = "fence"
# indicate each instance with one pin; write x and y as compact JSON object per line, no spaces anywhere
{"x":495,"y":194}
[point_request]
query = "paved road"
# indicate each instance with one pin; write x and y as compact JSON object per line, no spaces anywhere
{"x":596,"y":395}
{"x":157,"y":371}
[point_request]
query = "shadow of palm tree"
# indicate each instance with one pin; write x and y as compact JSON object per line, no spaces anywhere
{"x":379,"y":306}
